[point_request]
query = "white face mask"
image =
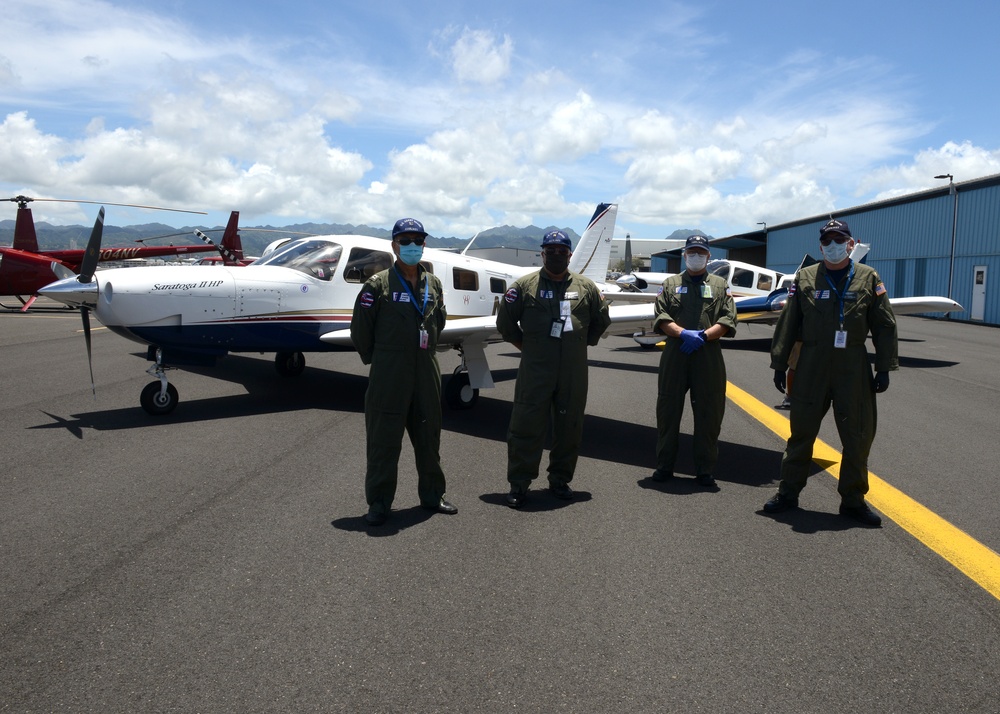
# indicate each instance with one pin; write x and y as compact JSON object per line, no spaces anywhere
{"x":695,"y":261}
{"x":835,"y":252}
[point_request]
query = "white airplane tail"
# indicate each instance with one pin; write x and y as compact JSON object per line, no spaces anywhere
{"x":593,"y":253}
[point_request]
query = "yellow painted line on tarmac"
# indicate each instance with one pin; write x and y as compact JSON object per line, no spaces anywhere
{"x":975,"y":560}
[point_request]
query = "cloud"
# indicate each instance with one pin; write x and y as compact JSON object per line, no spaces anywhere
{"x":479,"y":57}
{"x":571,"y":130}
{"x":963,"y":161}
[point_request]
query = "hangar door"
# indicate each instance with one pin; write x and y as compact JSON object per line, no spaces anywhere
{"x":978,"y":292}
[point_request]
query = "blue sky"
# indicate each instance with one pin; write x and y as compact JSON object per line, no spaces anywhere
{"x":711,"y":115}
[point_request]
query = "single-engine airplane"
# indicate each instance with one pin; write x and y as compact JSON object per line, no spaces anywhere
{"x":299,"y":298}
{"x":24,"y":269}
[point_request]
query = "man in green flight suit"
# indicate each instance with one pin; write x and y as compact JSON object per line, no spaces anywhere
{"x":694,"y":310}
{"x":832,"y":307}
{"x":551,"y":316}
{"x":397,"y":318}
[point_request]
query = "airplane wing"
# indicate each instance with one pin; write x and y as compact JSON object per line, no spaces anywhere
{"x":920,"y":305}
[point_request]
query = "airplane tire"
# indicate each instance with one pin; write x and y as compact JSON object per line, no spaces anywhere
{"x":289,"y":364}
{"x":458,"y":393}
{"x":156,"y":404}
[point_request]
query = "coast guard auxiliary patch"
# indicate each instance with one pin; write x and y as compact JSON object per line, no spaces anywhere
{"x":367,"y":299}
{"x":510,"y":295}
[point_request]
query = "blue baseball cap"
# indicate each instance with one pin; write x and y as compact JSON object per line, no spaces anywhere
{"x":557,"y":238}
{"x":696,"y":241}
{"x":835,"y":226}
{"x":408,"y":225}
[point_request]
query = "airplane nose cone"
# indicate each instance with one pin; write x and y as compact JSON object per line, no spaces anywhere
{"x":72,"y":292}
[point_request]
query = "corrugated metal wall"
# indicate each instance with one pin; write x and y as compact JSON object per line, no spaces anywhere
{"x":911,"y":243}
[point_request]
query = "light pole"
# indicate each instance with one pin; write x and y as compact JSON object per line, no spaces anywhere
{"x":954,"y":226}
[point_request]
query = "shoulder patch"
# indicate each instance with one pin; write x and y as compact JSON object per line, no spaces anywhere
{"x":510,"y":295}
{"x":880,"y":288}
{"x":366,"y":299}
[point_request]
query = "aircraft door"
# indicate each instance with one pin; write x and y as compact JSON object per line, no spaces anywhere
{"x":978,"y":293}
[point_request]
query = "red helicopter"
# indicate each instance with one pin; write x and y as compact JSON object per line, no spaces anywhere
{"x":24,"y":269}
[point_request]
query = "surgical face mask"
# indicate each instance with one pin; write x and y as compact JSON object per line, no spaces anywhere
{"x":411,"y":254}
{"x":695,"y":261}
{"x":835,"y":252}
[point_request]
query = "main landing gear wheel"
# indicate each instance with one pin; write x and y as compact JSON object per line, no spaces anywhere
{"x":289,"y":364}
{"x":458,"y":393}
{"x":157,"y":402}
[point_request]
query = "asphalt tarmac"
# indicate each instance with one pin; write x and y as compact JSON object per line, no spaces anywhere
{"x":217,"y":560}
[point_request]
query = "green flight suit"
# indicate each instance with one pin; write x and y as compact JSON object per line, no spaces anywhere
{"x":552,"y":376}
{"x":404,"y":383}
{"x":841,"y":375}
{"x":693,"y":305}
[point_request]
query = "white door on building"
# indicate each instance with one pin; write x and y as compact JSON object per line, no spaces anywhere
{"x":978,"y":292}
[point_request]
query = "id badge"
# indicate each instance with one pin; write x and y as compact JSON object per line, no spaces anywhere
{"x":565,"y":312}
{"x":706,"y":291}
{"x":840,"y":339}
{"x":556,"y":329}
{"x":423,"y":339}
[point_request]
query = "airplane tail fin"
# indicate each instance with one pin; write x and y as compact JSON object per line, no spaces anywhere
{"x":592,"y":253}
{"x":860,"y":252}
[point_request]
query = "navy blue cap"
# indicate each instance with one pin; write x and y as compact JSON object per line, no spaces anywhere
{"x":835,"y":226}
{"x":696,"y":241}
{"x":408,"y":225}
{"x":557,"y":238}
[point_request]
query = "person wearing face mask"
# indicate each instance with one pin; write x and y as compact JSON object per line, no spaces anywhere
{"x":694,"y":310}
{"x":551,"y":316}
{"x":397,"y":318}
{"x":832,"y":308}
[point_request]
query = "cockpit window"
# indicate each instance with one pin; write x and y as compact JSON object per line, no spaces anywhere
{"x":720,"y":268}
{"x":364,"y":263}
{"x":317,"y":258}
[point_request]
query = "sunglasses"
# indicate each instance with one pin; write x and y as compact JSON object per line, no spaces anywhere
{"x":836,"y":239}
{"x":555,"y":251}
{"x":419,"y":240}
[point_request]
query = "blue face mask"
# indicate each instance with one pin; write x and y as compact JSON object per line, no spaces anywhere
{"x":411,"y":254}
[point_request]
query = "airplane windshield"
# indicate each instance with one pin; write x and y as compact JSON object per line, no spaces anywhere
{"x":720,"y":268}
{"x":317,"y":258}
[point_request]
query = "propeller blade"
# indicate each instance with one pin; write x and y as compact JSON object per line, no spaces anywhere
{"x":93,"y":254}
{"x":85,"y":315}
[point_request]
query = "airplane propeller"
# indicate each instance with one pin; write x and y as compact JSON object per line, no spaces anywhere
{"x":86,"y":276}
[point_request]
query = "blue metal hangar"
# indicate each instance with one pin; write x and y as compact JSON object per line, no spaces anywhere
{"x":942,"y":241}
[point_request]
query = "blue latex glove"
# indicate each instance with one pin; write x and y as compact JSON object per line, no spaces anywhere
{"x":691,"y":341}
{"x":881,"y":382}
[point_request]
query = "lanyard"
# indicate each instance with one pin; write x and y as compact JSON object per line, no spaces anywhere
{"x":413,"y":299}
{"x":841,"y":294}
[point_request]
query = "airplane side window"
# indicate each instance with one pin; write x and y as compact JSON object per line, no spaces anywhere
{"x":364,"y":263}
{"x":742,"y":278}
{"x":764,"y":282}
{"x":465,"y":279}
{"x":498,"y":286}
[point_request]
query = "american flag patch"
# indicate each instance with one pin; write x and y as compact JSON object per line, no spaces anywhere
{"x":880,"y":289}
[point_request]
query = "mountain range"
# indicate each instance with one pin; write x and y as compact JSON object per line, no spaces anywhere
{"x":256,"y":238}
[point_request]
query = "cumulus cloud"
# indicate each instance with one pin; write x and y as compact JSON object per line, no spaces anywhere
{"x":480,"y":57}
{"x":572,"y":130}
{"x":963,"y":161}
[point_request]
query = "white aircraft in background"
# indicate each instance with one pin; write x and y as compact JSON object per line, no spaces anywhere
{"x":299,"y":298}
